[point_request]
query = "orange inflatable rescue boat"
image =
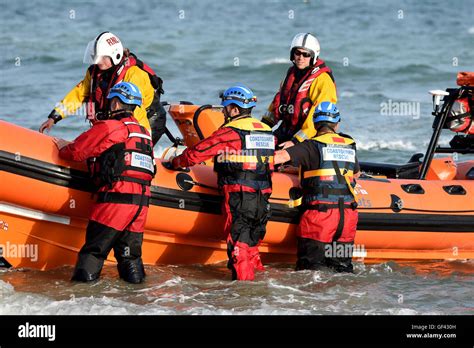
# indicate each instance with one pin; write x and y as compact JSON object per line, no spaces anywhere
{"x":418,"y":210}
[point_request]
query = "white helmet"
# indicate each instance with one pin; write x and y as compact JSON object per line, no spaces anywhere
{"x":307,"y":41}
{"x":106,"y":44}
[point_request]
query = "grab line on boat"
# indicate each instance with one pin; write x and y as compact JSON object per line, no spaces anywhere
{"x":33,"y":214}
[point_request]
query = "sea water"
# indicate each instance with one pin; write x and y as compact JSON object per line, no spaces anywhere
{"x":385,"y":55}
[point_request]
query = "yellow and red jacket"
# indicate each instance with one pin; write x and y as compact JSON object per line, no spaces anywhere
{"x":296,"y":100}
{"x":86,"y":90}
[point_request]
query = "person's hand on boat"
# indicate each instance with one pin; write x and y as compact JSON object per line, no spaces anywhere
{"x":281,"y":156}
{"x":46,"y":125}
{"x":53,"y":118}
{"x":60,"y":143}
{"x":286,"y":144}
{"x":287,"y":169}
{"x":169,"y":164}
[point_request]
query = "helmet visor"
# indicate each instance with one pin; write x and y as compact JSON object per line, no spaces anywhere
{"x":90,"y":55}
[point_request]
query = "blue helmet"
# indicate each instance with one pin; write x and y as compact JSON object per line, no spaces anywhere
{"x":127,"y":92}
{"x":326,"y":112}
{"x":239,"y":95}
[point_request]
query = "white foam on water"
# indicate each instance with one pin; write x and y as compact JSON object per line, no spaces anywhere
{"x":169,"y":283}
{"x":347,"y":94}
{"x":27,"y":304}
{"x":402,"y":311}
{"x":6,"y":289}
{"x":273,"y":284}
{"x":386,"y":145}
{"x":471,"y":30}
{"x":276,"y":60}
{"x":195,"y":290}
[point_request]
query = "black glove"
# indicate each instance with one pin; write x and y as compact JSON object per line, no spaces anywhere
{"x":55,"y":116}
{"x":168,"y":165}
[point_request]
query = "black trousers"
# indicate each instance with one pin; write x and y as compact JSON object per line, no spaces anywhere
{"x":250,"y":212}
{"x":247,"y":214}
{"x":314,"y":255}
{"x":100,"y":240}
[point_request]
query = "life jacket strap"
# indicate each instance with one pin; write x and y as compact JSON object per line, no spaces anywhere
{"x":249,"y":176}
{"x":123,"y":198}
{"x":323,"y":207}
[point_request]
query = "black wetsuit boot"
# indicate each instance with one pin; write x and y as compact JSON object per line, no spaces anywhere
{"x":99,"y":241}
{"x":128,"y":252}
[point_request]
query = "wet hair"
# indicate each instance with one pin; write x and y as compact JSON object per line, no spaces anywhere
{"x":325,"y":126}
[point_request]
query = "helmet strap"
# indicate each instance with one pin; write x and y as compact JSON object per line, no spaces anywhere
{"x":227,"y":116}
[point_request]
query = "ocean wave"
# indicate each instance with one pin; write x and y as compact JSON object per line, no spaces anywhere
{"x":201,"y":290}
{"x":414,"y":69}
{"x":276,"y":60}
{"x":387,"y":145}
{"x":21,"y":60}
{"x":349,"y":71}
{"x":347,"y":94}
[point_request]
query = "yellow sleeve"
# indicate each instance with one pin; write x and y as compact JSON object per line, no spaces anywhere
{"x":269,"y":116}
{"x":74,"y":99}
{"x":322,"y":89}
{"x":141,"y":79}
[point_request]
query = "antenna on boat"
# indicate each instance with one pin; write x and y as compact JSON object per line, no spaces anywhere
{"x":440,"y":119}
{"x":437,"y":94}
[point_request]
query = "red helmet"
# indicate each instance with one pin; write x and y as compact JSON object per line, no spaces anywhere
{"x":460,"y":117}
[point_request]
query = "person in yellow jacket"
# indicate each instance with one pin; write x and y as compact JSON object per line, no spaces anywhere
{"x":308,"y":82}
{"x":110,"y":64}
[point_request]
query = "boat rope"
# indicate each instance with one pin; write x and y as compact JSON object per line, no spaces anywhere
{"x":419,"y":210}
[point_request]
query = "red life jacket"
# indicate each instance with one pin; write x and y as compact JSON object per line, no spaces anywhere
{"x":102,"y":82}
{"x":461,"y":116}
{"x":292,"y":104}
{"x":130,"y":161}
